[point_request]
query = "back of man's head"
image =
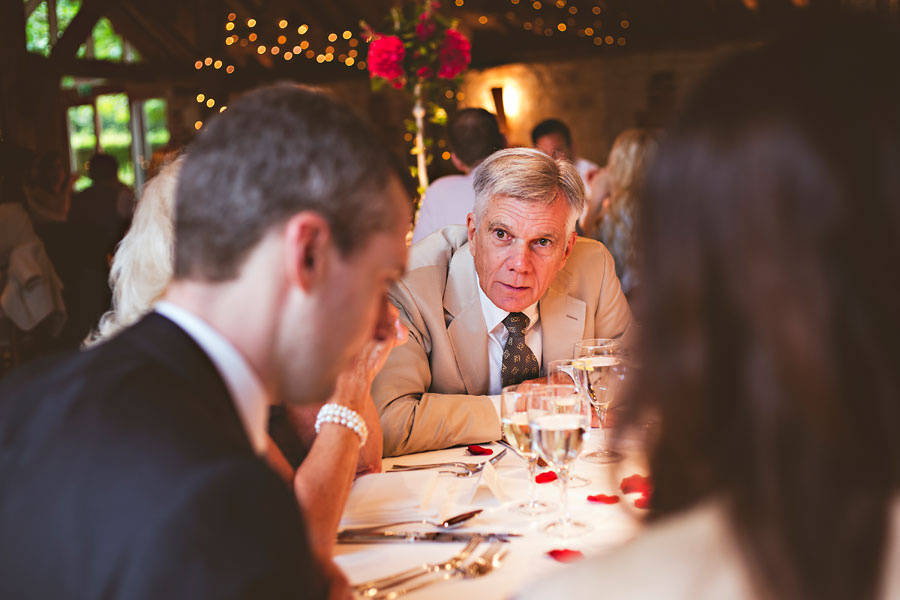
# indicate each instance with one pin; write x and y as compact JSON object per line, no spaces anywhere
{"x":274,"y":153}
{"x":474,"y":135}
{"x":549,"y":126}
{"x":103,"y":167}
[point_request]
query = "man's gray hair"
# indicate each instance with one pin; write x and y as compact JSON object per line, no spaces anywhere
{"x":528,"y":175}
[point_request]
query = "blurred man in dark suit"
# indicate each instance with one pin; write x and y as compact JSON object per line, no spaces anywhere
{"x":134,"y":469}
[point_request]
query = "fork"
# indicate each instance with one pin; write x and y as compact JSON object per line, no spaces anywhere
{"x":479,"y":567}
{"x":370,"y":588}
{"x":468,"y":468}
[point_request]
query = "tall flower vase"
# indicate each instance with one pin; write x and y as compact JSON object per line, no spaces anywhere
{"x":419,"y":148}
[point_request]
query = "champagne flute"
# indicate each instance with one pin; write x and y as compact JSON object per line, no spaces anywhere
{"x":599,"y":371}
{"x":559,"y":417}
{"x":514,"y":418}
{"x":563,"y":372}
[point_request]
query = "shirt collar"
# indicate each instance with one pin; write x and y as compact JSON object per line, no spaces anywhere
{"x":246,"y":390}
{"x":494,"y":315}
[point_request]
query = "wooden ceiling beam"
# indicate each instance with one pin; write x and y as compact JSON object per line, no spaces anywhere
{"x":78,"y":30}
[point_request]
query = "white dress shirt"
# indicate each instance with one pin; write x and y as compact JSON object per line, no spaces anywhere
{"x":497,"y":336}
{"x":246,"y":390}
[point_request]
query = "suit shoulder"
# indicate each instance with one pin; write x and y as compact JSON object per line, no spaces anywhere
{"x":436,"y":249}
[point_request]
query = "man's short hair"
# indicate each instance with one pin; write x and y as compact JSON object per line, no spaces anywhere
{"x":528,"y":175}
{"x":274,"y":153}
{"x":474,"y":135}
{"x":548,"y":126}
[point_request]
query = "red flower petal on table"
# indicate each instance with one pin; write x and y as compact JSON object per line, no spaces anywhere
{"x":603,"y":499}
{"x":642,"y":502}
{"x":545,"y":477}
{"x":477,"y":450}
{"x":565,"y":555}
{"x":636,"y":483}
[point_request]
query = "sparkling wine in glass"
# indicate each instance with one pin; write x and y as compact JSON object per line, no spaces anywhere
{"x":560,"y":417}
{"x":599,"y":370}
{"x":517,"y":430}
{"x":563,"y":372}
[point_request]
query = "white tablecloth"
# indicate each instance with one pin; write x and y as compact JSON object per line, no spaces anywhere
{"x":386,"y":497}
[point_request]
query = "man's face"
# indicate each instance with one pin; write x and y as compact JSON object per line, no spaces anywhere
{"x":554,"y":144}
{"x":360,"y":283}
{"x":351,"y":306}
{"x":519,"y":247}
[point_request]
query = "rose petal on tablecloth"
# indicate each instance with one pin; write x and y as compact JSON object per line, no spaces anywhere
{"x":603,"y":499}
{"x":642,"y":502}
{"x":565,"y":555}
{"x":545,"y":477}
{"x":479,"y":450}
{"x":636,"y":483}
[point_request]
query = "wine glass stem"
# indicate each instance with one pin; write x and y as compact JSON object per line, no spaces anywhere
{"x":564,"y":498}
{"x":601,"y":419}
{"x":532,"y":467}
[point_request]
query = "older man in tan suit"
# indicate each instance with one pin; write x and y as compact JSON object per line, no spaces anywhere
{"x":493,"y":303}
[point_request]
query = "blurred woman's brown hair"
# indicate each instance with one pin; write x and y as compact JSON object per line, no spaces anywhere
{"x":771,"y":344}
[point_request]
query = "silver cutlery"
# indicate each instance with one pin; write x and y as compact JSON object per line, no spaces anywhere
{"x":370,"y":588}
{"x":481,"y":566}
{"x":469,"y":468}
{"x":445,"y":524}
{"x":375,"y":537}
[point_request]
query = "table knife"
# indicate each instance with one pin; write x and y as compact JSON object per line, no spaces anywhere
{"x":349,"y":537}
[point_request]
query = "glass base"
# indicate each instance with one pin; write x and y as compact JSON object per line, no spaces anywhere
{"x":602,"y":456}
{"x":567,"y":528}
{"x":533,"y":508}
{"x":577,"y":481}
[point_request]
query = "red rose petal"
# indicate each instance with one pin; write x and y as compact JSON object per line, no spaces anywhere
{"x":636,"y":483}
{"x":603,"y":499}
{"x":479,"y":450}
{"x":565,"y":555}
{"x":642,"y":502}
{"x":545,"y":477}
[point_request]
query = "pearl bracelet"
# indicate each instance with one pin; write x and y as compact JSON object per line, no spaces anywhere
{"x":342,"y":415}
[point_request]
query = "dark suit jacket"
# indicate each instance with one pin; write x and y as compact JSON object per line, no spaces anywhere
{"x":125,"y":472}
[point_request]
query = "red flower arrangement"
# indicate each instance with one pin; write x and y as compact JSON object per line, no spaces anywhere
{"x":425,"y":55}
{"x":423,"y":46}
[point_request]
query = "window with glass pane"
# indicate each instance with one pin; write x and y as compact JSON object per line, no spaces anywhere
{"x":115,"y":133}
{"x":82,"y":141}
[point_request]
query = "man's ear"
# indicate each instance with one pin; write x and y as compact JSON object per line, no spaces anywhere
{"x":472,"y":227}
{"x":308,"y":240}
{"x":570,"y":244}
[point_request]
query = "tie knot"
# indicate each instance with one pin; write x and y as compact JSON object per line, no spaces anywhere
{"x":516,"y":323}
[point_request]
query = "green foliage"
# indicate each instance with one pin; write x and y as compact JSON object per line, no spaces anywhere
{"x":107,"y":44}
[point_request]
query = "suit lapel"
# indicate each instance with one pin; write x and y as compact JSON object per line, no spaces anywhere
{"x":562,"y":323}
{"x":467,"y":331}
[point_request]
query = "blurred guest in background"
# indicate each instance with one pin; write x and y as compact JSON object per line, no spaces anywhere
{"x":771,"y":237}
{"x":106,"y":206}
{"x":612,"y":205}
{"x":489,"y":304}
{"x":49,"y":191}
{"x":553,"y":137}
{"x":474,"y":135}
{"x":135,"y":467}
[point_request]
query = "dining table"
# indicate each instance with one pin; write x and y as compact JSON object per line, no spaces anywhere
{"x":527,"y":557}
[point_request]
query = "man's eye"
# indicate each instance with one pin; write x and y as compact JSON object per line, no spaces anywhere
{"x":500,"y":234}
{"x":544,"y":243}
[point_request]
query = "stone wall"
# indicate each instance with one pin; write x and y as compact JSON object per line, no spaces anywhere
{"x":596,"y":97}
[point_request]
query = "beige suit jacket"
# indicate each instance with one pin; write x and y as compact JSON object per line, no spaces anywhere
{"x":432,"y":391}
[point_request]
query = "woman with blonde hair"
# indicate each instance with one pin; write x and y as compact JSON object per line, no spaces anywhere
{"x":612,"y":205}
